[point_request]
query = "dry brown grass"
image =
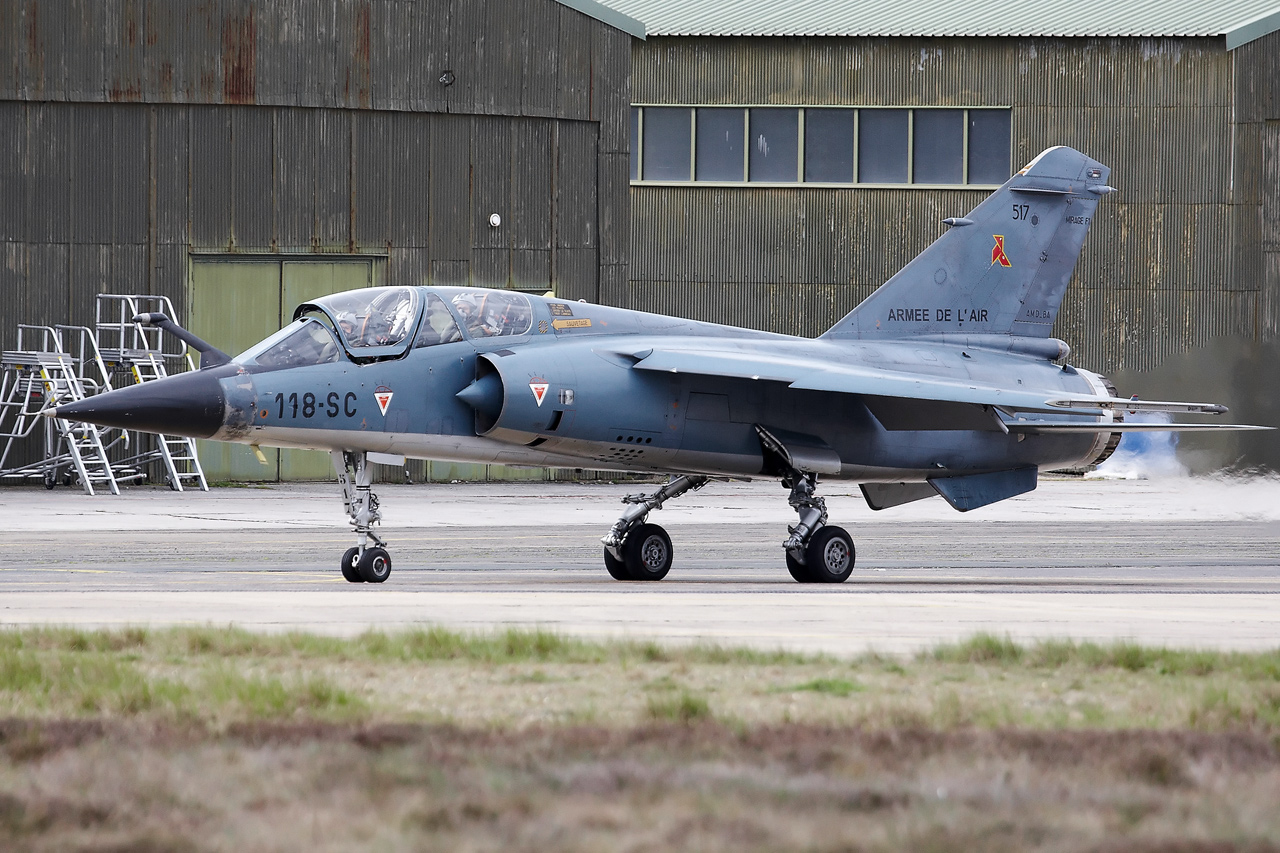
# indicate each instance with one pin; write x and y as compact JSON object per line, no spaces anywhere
{"x":220,"y":740}
{"x":705,"y":786}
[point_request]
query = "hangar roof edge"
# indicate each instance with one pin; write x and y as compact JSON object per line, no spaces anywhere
{"x":608,"y":15}
{"x":1240,"y":21}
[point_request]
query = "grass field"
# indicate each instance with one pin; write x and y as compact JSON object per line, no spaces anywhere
{"x":219,"y":739}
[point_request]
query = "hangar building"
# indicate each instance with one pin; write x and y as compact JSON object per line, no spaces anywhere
{"x":240,"y":156}
{"x":788,"y":158}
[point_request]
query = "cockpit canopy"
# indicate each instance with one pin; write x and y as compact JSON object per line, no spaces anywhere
{"x":379,"y":322}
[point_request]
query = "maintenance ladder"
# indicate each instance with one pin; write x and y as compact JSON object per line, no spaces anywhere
{"x":39,"y":375}
{"x":144,"y":352}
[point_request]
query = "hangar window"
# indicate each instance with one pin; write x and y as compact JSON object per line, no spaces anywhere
{"x":851,"y":146}
{"x":719,"y":144}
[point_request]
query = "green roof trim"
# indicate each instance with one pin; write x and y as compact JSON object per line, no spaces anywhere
{"x":606,"y":15}
{"x":1263,"y":25}
{"x":1241,"y":21}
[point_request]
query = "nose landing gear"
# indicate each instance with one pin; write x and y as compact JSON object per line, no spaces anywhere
{"x":361,"y":564}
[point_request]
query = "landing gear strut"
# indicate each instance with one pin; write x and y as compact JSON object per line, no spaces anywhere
{"x":635,"y":550}
{"x":361,"y":564}
{"x":816,"y":551}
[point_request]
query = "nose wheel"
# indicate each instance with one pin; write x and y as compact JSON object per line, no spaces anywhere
{"x":363,"y":563}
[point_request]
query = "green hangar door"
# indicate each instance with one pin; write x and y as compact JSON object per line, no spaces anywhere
{"x":236,"y":303}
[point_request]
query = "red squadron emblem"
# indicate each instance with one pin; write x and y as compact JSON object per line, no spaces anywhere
{"x":997,"y":252}
{"x":539,"y":387}
{"x":383,"y":395}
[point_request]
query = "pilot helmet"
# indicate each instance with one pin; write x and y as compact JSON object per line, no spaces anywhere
{"x":347,"y":321}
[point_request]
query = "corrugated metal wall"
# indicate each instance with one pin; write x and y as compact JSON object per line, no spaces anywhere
{"x":1175,"y":260}
{"x":134,"y":133}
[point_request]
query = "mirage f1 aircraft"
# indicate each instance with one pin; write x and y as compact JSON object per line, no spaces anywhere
{"x":945,"y":381}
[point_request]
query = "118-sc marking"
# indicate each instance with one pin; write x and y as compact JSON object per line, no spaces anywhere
{"x":311,"y":405}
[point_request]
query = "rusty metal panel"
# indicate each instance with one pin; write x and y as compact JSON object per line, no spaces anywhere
{"x":13,"y":171}
{"x":164,"y":71}
{"x":355,"y":47}
{"x":491,"y":165}
{"x":250,"y":175}
{"x":532,"y":167}
{"x":505,"y":43}
{"x":430,"y":57}
{"x":333,"y":180}
{"x":371,"y":194}
{"x":296,"y":132}
{"x":394,"y":62}
{"x":49,"y":178}
{"x":172,"y":168}
{"x":450,"y":158}
{"x":211,"y":177}
{"x":409,"y":157}
{"x":577,"y":214}
{"x":466,"y":56}
{"x":573,"y":74}
{"x":538,"y":97}
{"x":87,"y":46}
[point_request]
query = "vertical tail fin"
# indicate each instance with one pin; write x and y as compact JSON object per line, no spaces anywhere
{"x":1001,"y":270}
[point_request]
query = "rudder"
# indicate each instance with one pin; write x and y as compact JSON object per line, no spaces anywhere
{"x":1001,"y":270}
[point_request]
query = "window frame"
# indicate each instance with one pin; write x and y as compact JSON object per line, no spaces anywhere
{"x":800,"y":181}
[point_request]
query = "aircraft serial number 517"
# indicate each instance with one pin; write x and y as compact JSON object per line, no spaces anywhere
{"x":945,"y":381}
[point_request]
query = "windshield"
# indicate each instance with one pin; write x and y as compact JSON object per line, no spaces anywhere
{"x":438,"y":325}
{"x":300,"y":343}
{"x":490,"y":313}
{"x":373,"y":317}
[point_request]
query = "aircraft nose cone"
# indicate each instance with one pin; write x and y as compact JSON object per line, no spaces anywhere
{"x":188,"y":404}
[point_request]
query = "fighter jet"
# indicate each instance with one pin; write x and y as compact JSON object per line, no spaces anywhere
{"x":944,"y":382}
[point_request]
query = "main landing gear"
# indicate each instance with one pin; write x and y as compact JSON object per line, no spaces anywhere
{"x":635,"y":550}
{"x":816,"y":551}
{"x":361,"y":564}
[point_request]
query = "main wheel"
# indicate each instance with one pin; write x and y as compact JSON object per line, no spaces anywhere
{"x":351,"y":566}
{"x":647,"y":553}
{"x":617,"y":569}
{"x":830,"y":555}
{"x":375,"y":565}
{"x":798,"y":570}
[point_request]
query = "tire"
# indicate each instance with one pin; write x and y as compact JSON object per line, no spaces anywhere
{"x":50,"y":481}
{"x":798,"y":570}
{"x":647,"y":553}
{"x":375,"y":565}
{"x":830,"y":555}
{"x":616,"y":568}
{"x":351,"y":566}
